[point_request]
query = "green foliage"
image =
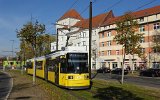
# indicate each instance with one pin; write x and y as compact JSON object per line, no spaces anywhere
{"x":30,"y":32}
{"x":43,"y":44}
{"x":127,"y":36}
{"x":34,"y":40}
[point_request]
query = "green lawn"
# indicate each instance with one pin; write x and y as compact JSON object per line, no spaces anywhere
{"x":101,"y":90}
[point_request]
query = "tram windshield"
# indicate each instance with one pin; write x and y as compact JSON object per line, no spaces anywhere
{"x":77,"y":63}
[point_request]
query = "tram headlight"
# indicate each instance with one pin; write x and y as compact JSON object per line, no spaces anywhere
{"x":70,"y":77}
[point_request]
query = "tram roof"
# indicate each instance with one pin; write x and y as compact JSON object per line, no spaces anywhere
{"x":61,"y":52}
{"x":68,"y":50}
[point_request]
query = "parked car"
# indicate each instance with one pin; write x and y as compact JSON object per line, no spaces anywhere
{"x":103,"y":70}
{"x":119,"y":71}
{"x":151,"y":72}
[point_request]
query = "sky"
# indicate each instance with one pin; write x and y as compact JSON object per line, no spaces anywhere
{"x":16,"y":13}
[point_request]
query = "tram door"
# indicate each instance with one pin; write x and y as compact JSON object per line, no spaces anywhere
{"x":57,"y":74}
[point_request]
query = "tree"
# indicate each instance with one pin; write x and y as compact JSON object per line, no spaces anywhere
{"x":30,"y":32}
{"x":43,"y":44}
{"x":33,"y":39}
{"x":127,"y":37}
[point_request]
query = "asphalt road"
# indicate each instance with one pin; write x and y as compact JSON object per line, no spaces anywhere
{"x":145,"y":81}
{"x":5,"y":85}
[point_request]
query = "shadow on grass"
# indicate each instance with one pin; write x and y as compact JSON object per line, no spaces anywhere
{"x":115,"y":93}
{"x":22,"y":98}
{"x":19,"y":87}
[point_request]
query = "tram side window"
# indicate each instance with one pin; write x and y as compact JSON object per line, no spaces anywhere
{"x":51,"y":65}
{"x":63,"y":66}
{"x":29,"y":64}
{"x":39,"y":65}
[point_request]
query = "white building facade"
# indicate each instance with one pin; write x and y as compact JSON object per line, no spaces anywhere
{"x":72,"y":26}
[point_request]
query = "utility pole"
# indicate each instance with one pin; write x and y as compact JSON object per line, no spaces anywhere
{"x":23,"y":61}
{"x":12,"y":47}
{"x":90,"y":36}
{"x":34,"y":67}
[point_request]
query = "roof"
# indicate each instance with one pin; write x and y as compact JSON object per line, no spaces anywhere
{"x":137,"y":14}
{"x":110,"y":21}
{"x":71,"y":14}
{"x":96,"y":21}
{"x":146,"y":12}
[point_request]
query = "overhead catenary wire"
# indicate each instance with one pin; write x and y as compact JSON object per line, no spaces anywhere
{"x":104,"y":10}
{"x":144,"y":5}
{"x":85,"y":9}
{"x":110,"y":8}
{"x":73,"y":4}
{"x":131,"y":11}
{"x":118,"y":2}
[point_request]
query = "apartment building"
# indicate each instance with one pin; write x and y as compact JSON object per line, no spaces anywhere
{"x":63,"y":26}
{"x":73,"y":30}
{"x":112,"y":54}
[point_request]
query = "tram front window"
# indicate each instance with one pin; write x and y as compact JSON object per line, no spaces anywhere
{"x":77,"y":63}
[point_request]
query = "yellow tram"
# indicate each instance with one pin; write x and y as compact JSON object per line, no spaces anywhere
{"x":68,"y":69}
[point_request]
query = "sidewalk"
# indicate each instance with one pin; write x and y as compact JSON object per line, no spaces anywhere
{"x":23,"y":89}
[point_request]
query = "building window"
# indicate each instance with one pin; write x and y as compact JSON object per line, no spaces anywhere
{"x":156,"y":26}
{"x":94,"y":32}
{"x":142,"y":28}
{"x":102,"y":44}
{"x":78,"y":44}
{"x":84,"y":43}
{"x":143,"y":50}
{"x":61,"y":38}
{"x":94,"y":42}
{"x":108,"y":43}
{"x":114,"y":64}
{"x":108,"y":34}
{"x":109,"y":52}
{"x":102,"y":53}
{"x":117,"y":52}
{"x":142,"y":40}
{"x":77,"y":36}
{"x":141,"y":19}
{"x":53,"y":47}
{"x":81,"y":35}
{"x":155,"y":50}
{"x":156,"y":16}
{"x":102,"y":35}
{"x":84,"y":34}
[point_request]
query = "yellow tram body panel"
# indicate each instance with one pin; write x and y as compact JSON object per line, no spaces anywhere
{"x":40,"y":73}
{"x":51,"y":76}
{"x":74,"y":80}
{"x":30,"y":71}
